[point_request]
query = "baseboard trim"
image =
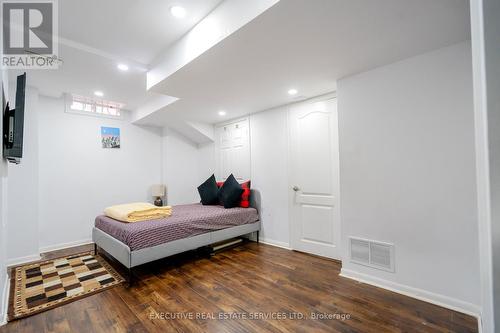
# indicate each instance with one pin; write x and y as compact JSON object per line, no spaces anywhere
{"x":63,"y":246}
{"x":420,"y":294}
{"x":5,"y":301}
{"x":23,"y":260}
{"x":272,"y":242}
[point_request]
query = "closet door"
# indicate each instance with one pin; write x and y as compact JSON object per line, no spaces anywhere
{"x":233,"y":150}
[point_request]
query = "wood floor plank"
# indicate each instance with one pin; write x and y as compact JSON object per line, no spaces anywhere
{"x":175,"y":286}
{"x":291,"y":292}
{"x":249,"y":279}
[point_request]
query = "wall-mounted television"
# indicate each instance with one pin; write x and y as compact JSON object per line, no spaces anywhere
{"x":13,"y":124}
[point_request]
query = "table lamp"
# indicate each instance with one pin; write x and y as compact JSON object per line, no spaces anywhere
{"x":158,"y":191}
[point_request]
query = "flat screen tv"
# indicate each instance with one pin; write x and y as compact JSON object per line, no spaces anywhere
{"x":13,"y":124}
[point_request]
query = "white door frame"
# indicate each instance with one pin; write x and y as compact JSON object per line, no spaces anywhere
{"x":291,"y":193}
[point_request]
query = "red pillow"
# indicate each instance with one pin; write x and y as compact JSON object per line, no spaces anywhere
{"x":245,"y":196}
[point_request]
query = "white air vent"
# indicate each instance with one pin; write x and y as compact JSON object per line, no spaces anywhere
{"x":360,"y":251}
{"x":372,"y":253}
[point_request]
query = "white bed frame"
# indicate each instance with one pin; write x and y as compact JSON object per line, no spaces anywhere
{"x":129,"y":258}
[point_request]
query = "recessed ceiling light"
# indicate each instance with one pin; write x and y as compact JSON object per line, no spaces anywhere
{"x":222,"y":113}
{"x":178,"y":11}
{"x":292,"y":92}
{"x":122,"y":67}
{"x":98,"y":93}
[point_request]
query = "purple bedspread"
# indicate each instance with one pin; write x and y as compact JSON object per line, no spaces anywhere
{"x":186,"y":221}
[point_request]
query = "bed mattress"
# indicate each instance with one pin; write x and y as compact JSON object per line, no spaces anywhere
{"x":185,"y":221}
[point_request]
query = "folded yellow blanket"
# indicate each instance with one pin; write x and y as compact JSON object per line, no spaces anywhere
{"x":137,"y":211}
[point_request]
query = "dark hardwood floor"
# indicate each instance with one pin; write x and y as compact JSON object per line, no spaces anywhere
{"x":182,"y":293}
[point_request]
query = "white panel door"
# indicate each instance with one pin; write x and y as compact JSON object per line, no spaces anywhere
{"x":314,"y":178}
{"x":233,"y":150}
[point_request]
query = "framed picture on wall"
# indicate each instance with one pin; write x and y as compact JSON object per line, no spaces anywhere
{"x":110,"y":137}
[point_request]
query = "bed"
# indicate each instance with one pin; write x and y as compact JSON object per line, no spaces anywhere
{"x":190,"y":227}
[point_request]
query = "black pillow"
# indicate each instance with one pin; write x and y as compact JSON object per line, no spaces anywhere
{"x":208,"y":191}
{"x":230,"y":192}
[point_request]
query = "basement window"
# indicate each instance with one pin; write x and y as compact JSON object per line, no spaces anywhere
{"x":92,"y":106}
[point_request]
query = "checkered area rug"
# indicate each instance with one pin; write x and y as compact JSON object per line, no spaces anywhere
{"x":48,"y":284}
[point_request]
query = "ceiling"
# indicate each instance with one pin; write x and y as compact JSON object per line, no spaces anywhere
{"x":95,"y":35}
{"x":302,"y":44}
{"x":83,"y":73}
{"x":135,"y":29}
{"x":307,"y":45}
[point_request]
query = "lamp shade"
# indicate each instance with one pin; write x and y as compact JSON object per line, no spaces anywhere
{"x":158,"y":190}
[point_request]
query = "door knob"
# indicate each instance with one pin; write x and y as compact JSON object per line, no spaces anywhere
{"x":296,"y":188}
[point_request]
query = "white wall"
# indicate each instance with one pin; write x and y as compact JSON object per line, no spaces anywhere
{"x":78,"y":178}
{"x":408,"y":173}
{"x":206,"y":162}
{"x":22,"y":194}
{"x":66,"y":178}
{"x":185,"y":166}
{"x":269,"y":170}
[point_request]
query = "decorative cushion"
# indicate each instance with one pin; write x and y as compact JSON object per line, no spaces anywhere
{"x":230,"y":192}
{"x":208,"y":192}
{"x":245,"y":196}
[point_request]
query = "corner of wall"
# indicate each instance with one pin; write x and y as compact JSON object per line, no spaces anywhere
{"x":23,"y":225}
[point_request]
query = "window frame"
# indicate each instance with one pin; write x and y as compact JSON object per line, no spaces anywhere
{"x":94,"y":102}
